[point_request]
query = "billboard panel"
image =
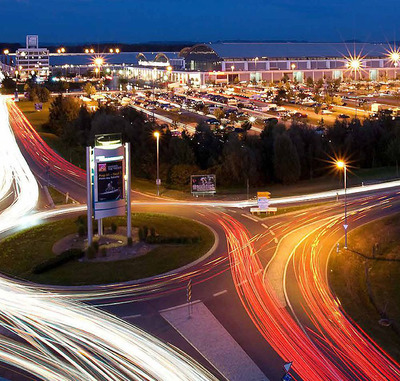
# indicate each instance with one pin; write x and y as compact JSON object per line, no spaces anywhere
{"x":108,"y":182}
{"x":203,"y":184}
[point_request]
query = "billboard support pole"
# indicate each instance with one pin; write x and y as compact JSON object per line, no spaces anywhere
{"x":128,"y":190}
{"x":100,"y":227}
{"x":89,"y":194}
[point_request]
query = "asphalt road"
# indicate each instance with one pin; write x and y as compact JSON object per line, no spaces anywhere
{"x":218,"y":284}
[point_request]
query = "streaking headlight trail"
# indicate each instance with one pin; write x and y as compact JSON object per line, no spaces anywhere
{"x":72,"y":341}
{"x":15,"y":175}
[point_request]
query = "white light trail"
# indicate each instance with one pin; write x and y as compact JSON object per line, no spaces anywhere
{"x":16,"y":174}
{"x":72,"y":341}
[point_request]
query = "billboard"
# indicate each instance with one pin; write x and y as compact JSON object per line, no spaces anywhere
{"x":203,"y":184}
{"x":108,"y":181}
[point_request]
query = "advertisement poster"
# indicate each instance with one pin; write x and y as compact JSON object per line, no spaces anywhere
{"x":203,"y":184}
{"x":110,"y":181}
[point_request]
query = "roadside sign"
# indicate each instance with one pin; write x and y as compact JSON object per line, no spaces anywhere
{"x":287,"y":377}
{"x":287,"y":366}
{"x":345,"y":226}
{"x":203,"y":184}
{"x":263,"y":201}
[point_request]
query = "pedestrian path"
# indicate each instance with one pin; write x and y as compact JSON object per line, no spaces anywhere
{"x":205,"y":333}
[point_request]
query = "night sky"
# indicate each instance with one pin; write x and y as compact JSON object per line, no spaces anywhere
{"x":63,"y":21}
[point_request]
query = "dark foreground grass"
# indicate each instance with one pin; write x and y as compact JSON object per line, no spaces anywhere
{"x":20,"y":253}
{"x":348,"y":278}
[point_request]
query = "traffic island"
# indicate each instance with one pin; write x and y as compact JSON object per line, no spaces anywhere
{"x":57,"y":253}
{"x":365,"y":279}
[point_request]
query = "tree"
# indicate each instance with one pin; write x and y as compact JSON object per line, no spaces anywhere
{"x":219,"y":113}
{"x":8,"y":86}
{"x":180,"y":174}
{"x":309,"y":82}
{"x":62,"y":111}
{"x":286,"y":160}
{"x":89,"y":89}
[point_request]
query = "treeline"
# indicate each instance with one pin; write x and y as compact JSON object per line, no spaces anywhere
{"x":278,"y":154}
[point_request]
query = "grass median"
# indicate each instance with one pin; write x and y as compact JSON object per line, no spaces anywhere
{"x":21,"y":252}
{"x":366,"y":281}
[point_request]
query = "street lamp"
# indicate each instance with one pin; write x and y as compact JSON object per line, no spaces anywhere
{"x":342,"y":165}
{"x":158,"y":181}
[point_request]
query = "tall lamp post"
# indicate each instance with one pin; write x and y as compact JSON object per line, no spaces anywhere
{"x":158,"y":181}
{"x":342,"y":165}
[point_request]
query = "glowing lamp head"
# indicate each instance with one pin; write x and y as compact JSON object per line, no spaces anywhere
{"x":62,"y":50}
{"x":293,"y":66}
{"x":355,"y":64}
{"x":169,"y":68}
{"x":232,"y":67}
{"x":98,"y":61}
{"x":117,"y":50}
{"x":395,"y":56}
{"x":111,"y":50}
{"x":157,"y":134}
{"x":86,"y":50}
{"x":340,"y":164}
{"x":6,"y":51}
{"x":252,"y":119}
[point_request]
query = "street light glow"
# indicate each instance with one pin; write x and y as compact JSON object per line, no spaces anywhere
{"x":98,"y":61}
{"x":6,"y":51}
{"x":340,"y":164}
{"x":156,"y":134}
{"x":252,"y":119}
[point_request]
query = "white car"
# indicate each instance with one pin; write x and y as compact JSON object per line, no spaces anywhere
{"x":326,"y":112}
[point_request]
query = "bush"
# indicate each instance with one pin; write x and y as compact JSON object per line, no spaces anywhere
{"x":141,"y":234}
{"x":52,"y":263}
{"x":114,"y":227}
{"x":81,"y":230}
{"x":171,"y":240}
{"x":91,"y":252}
{"x":95,"y":245}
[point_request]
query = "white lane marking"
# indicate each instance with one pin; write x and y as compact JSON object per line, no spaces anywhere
{"x":249,"y":217}
{"x":131,"y":316}
{"x":220,"y":293}
{"x":276,"y":240}
{"x":271,"y":232}
{"x":242,"y":283}
{"x":264,"y":226}
{"x":180,"y":306}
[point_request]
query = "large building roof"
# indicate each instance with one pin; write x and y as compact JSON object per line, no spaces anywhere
{"x":297,"y":49}
{"x":117,"y":59}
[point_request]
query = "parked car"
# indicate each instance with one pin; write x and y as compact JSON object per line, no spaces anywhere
{"x":344,"y":116}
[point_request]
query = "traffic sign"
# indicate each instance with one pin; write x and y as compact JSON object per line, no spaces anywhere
{"x":345,"y":226}
{"x":287,"y":366}
{"x":287,"y":377}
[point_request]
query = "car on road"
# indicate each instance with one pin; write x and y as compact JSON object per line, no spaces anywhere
{"x":213,"y":121}
{"x":299,"y":115}
{"x":344,"y":116}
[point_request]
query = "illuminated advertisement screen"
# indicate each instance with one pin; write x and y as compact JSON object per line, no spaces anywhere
{"x":203,"y":184}
{"x":110,"y":181}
